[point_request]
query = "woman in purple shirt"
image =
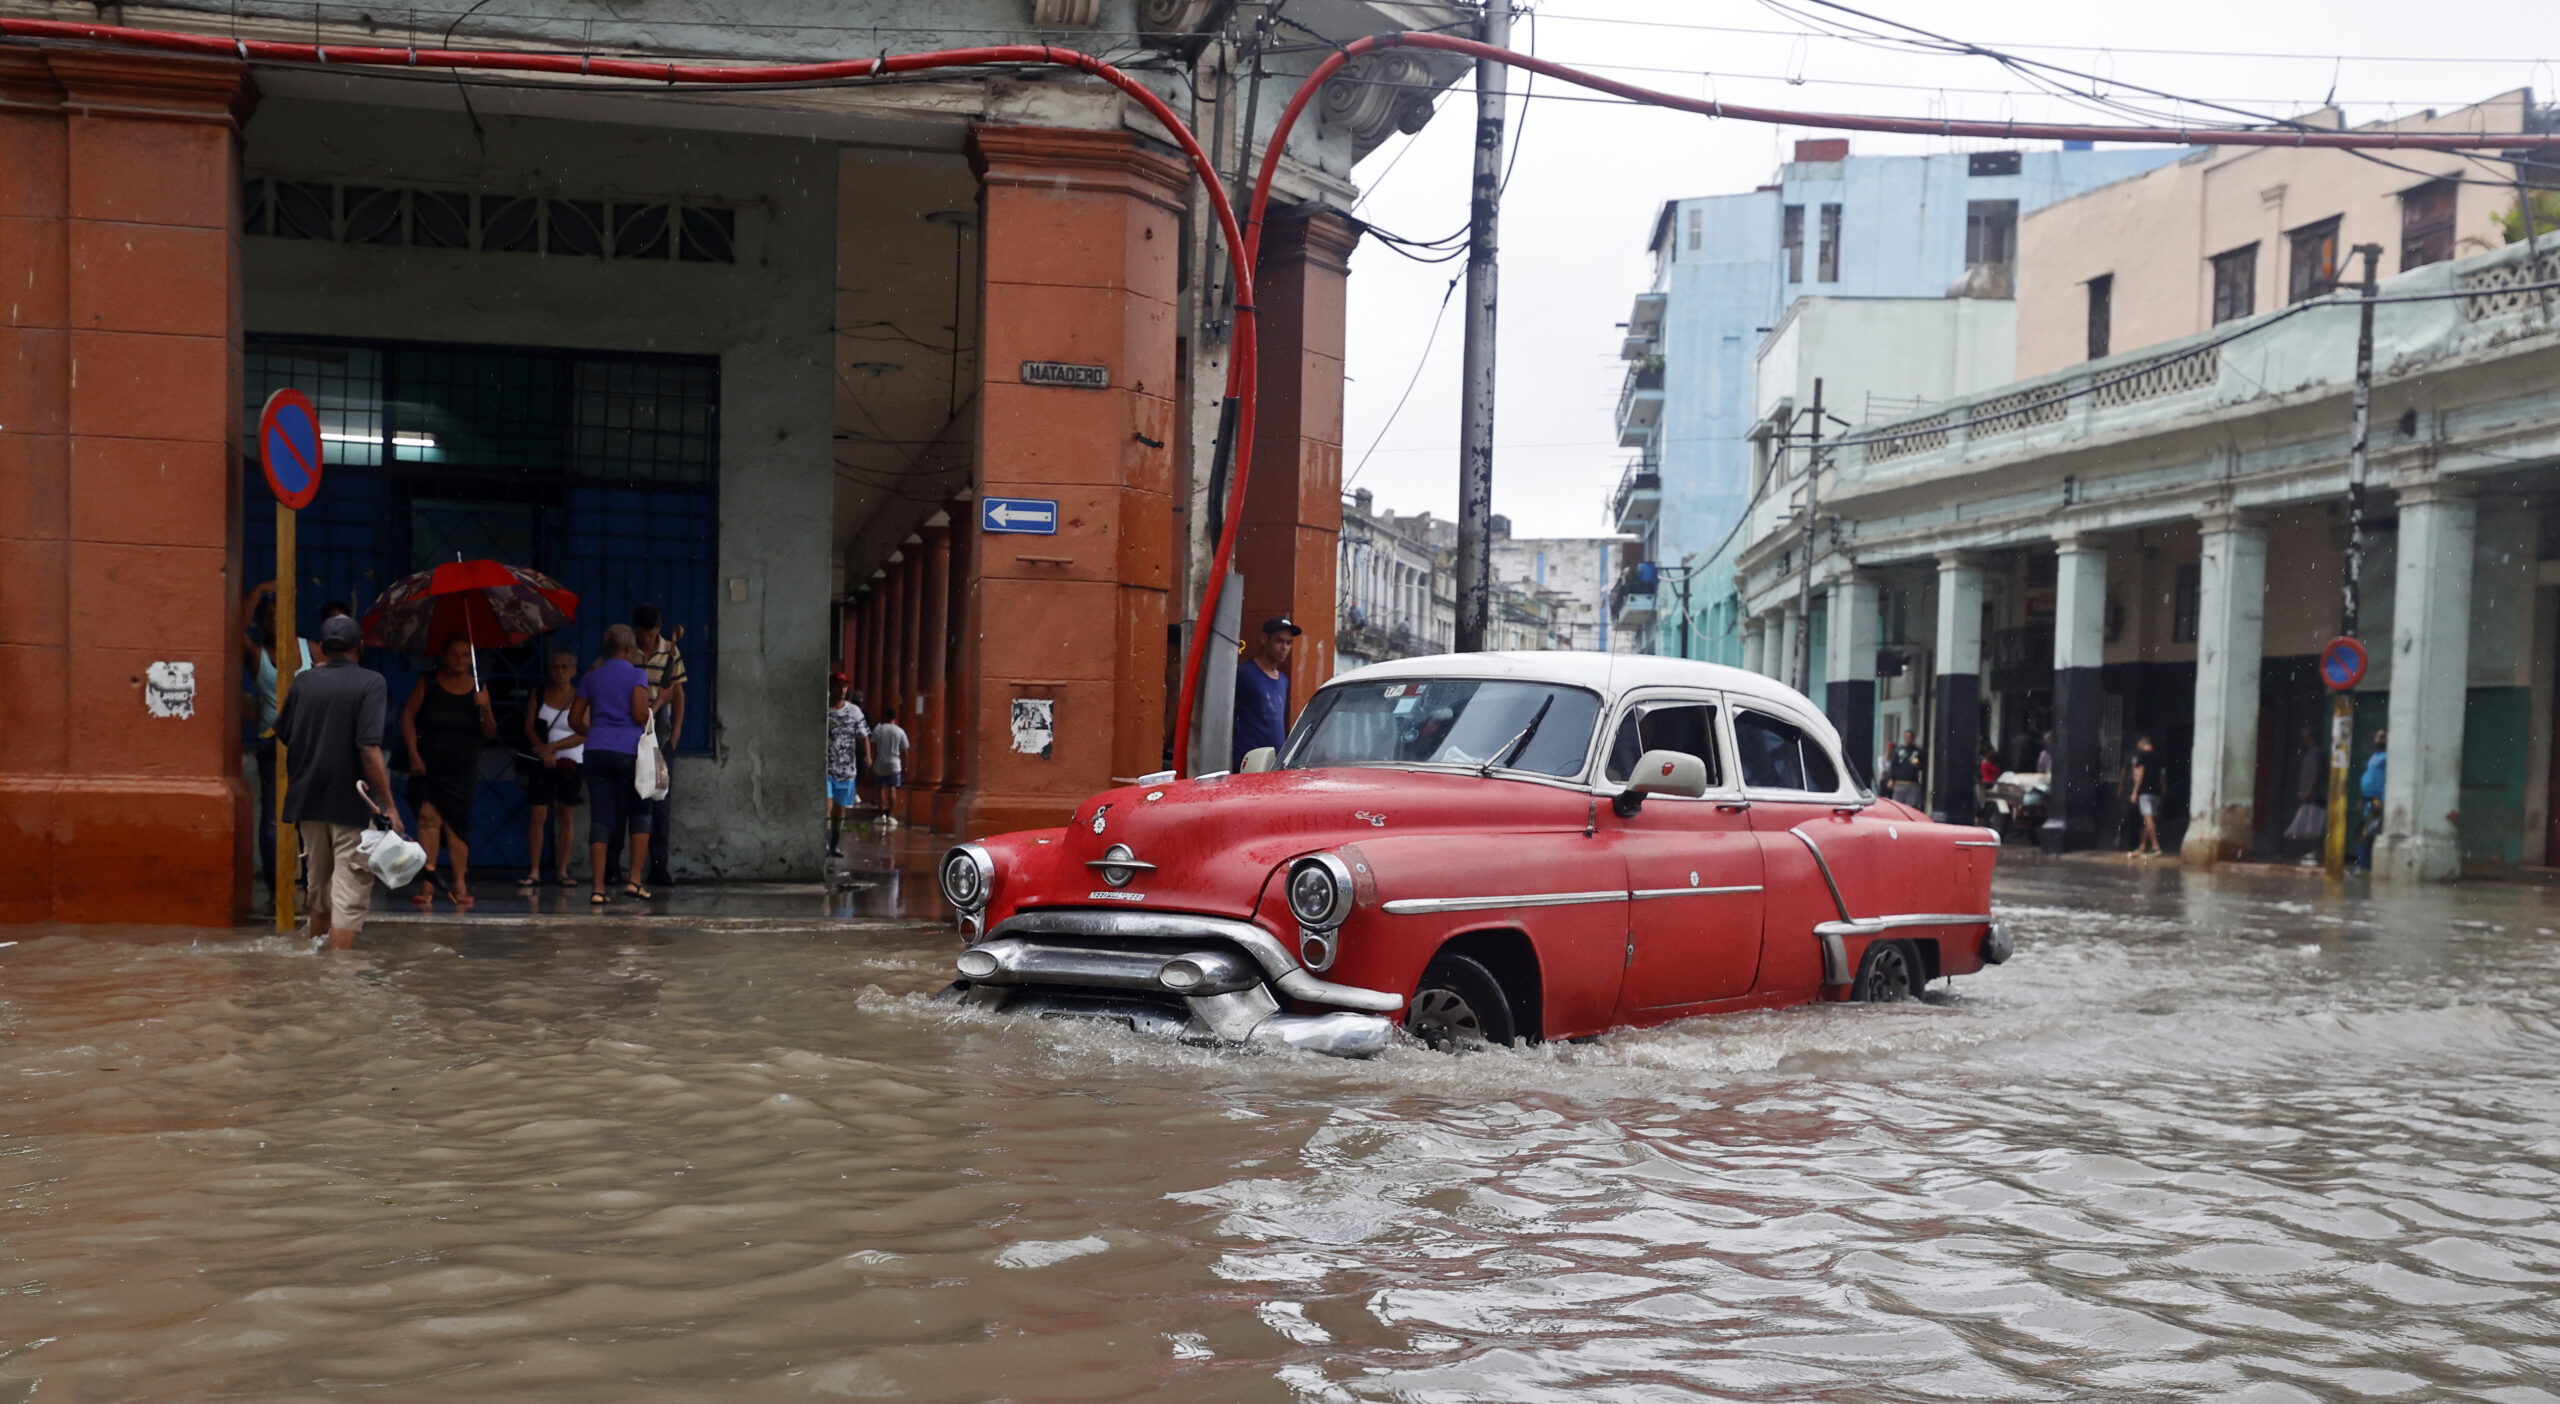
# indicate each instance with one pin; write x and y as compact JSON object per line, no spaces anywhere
{"x":611,"y":710}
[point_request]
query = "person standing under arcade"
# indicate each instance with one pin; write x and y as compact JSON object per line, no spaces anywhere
{"x":1262,"y":691}
{"x":658,"y":656}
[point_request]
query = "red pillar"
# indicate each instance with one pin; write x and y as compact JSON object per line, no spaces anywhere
{"x":933,"y":637}
{"x":893,"y":638}
{"x":874,"y":621}
{"x":1081,"y":237}
{"x":1287,"y":546}
{"x":958,"y":670}
{"x":119,"y":489}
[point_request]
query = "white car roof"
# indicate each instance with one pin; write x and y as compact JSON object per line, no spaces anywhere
{"x":1608,"y":674}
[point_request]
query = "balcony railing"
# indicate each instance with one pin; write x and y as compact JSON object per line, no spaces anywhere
{"x":1639,"y":492}
{"x":1633,"y":400}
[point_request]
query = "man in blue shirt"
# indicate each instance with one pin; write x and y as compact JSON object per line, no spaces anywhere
{"x":1262,"y":690}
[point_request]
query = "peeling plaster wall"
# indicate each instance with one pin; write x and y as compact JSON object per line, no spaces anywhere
{"x":744,"y":811}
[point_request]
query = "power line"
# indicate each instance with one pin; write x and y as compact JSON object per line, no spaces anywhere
{"x":1419,"y":362}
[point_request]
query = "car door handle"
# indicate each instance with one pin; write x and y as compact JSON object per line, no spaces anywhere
{"x":1732,"y":806}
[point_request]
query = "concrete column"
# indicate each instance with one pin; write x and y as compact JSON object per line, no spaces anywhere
{"x":1755,"y":646}
{"x":2231,"y":626}
{"x":1783,"y":640}
{"x":1959,"y":688}
{"x":120,"y":489}
{"x":1288,"y":544}
{"x":911,"y":592}
{"x":2079,"y":656}
{"x":933,"y":655}
{"x":1081,"y":242}
{"x":2430,"y":683}
{"x":957,"y":711}
{"x":1849,"y":665}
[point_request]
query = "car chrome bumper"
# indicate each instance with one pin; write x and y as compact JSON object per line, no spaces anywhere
{"x":1230,"y":979}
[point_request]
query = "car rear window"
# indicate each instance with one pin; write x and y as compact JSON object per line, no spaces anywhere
{"x":1777,"y":755}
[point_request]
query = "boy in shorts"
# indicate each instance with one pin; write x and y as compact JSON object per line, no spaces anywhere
{"x":889,"y":762}
{"x":847,"y":733}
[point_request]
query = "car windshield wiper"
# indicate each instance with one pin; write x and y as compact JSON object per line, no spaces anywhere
{"x":1518,"y":743}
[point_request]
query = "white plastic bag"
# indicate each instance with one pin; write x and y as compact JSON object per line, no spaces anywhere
{"x":394,"y":859}
{"x":648,"y":772}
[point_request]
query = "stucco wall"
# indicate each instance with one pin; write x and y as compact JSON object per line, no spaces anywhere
{"x":745,"y":811}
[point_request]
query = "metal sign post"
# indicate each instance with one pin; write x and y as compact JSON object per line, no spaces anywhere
{"x":289,"y":452}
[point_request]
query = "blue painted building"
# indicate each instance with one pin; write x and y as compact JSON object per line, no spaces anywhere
{"x":1726,"y":267}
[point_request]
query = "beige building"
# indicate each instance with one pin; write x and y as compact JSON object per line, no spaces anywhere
{"x":2230,"y":231}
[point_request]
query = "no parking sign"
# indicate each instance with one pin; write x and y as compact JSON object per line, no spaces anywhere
{"x":2342,"y":664}
{"x":289,"y":447}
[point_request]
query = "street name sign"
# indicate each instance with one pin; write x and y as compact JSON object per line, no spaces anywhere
{"x":1070,"y":376}
{"x":289,"y":447}
{"x":1024,"y":516}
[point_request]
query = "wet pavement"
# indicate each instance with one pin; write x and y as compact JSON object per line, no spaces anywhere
{"x":2206,"y":1137}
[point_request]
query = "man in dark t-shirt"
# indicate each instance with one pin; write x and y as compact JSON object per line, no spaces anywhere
{"x":331,"y":729}
{"x":1262,"y":690}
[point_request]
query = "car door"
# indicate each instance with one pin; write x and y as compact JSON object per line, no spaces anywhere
{"x":1813,"y":836}
{"x":1693,"y":865}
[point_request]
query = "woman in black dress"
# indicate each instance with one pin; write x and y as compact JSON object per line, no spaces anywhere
{"x":446,"y":719}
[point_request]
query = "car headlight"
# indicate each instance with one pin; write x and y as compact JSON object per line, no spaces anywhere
{"x":1320,"y":891}
{"x":968,"y":876}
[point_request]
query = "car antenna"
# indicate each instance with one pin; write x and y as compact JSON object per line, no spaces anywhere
{"x":1513,"y":746}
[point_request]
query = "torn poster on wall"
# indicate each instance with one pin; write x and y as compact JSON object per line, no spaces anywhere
{"x":169,"y":690}
{"x":1035,"y":725}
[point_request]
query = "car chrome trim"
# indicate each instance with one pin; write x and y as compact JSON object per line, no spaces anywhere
{"x":1859,"y":926}
{"x":1265,"y":948}
{"x":1976,"y":843}
{"x":1815,"y":849}
{"x":1416,"y":906}
{"x":1133,"y":864}
{"x":1645,"y":894}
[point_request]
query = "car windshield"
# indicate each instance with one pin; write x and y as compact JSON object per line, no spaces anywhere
{"x":1447,"y":721}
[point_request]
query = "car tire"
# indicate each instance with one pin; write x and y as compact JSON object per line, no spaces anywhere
{"x":1887,"y":974}
{"x":1459,"y":1006}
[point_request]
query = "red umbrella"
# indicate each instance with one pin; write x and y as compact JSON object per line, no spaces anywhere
{"x":490,"y":603}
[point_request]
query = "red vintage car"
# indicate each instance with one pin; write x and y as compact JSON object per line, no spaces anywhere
{"x":1483,"y":848}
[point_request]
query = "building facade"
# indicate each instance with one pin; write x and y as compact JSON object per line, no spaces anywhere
{"x":2228,"y":231}
{"x":1726,"y":268}
{"x":2155,"y":544}
{"x":1399,"y":590}
{"x":757,"y":357}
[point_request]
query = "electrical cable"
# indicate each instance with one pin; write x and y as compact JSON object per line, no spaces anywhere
{"x":1419,"y":362}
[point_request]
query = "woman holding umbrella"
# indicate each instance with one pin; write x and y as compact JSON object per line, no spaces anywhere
{"x":444,"y":723}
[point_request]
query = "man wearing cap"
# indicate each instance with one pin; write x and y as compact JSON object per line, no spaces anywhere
{"x":331,"y":727}
{"x":1262,"y":690}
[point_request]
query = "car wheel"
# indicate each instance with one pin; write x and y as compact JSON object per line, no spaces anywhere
{"x":1459,"y":1005}
{"x":1887,"y":975}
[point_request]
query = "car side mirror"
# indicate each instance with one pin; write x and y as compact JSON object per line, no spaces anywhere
{"x":1675,"y":773}
{"x":1258,"y":760}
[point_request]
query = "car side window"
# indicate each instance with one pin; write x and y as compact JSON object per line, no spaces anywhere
{"x":1777,"y":755}
{"x":1686,"y":727}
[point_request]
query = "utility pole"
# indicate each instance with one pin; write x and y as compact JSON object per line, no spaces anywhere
{"x":2342,"y":701}
{"x":1475,"y":429}
{"x":1800,"y":666}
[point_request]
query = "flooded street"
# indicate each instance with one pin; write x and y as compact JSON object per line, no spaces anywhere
{"x":2203,"y":1138}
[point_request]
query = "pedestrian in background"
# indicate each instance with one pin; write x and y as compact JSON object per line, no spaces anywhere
{"x":1262,"y":691}
{"x":2310,"y":792}
{"x":1986,"y":779}
{"x":659,"y":657}
{"x":443,"y":724}
{"x":2375,"y":769}
{"x":847,"y":730}
{"x":1903,"y":766}
{"x":2148,"y":784}
{"x":889,"y":762}
{"x":259,"y":638}
{"x":555,"y":783}
{"x":612,"y":707}
{"x":331,"y":726}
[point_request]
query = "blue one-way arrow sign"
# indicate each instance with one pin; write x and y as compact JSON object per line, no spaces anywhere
{"x":1027,"y":516}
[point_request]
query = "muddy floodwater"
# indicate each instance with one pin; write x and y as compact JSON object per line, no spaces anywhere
{"x":2204,"y":1138}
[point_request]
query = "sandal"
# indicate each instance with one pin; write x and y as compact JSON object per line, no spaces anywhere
{"x":638,"y":891}
{"x":464,"y":901}
{"x":597,"y":899}
{"x":529,"y":880}
{"x":422,"y":899}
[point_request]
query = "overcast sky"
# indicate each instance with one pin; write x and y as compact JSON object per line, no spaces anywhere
{"x":1591,"y":175}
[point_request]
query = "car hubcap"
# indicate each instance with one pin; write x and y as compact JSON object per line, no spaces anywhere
{"x":1442,"y":1018}
{"x":1892,"y":978}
